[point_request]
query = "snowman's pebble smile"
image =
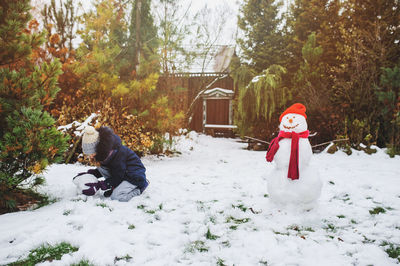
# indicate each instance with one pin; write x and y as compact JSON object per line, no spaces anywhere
{"x":287,"y":127}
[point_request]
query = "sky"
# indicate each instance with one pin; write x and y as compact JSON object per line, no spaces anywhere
{"x":229,"y":7}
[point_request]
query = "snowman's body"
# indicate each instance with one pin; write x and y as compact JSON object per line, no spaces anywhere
{"x":305,"y":189}
{"x":82,"y":179}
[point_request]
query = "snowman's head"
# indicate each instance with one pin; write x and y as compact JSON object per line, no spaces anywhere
{"x":293,"y":119}
{"x":293,"y":123}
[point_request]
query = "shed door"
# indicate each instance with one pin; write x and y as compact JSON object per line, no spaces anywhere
{"x":218,"y":112}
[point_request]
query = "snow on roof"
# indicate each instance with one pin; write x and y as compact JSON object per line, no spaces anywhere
{"x":210,"y":91}
{"x":223,"y":58}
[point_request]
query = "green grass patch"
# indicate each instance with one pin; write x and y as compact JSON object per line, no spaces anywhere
{"x":210,"y":236}
{"x":67,"y":212}
{"x":236,"y":220}
{"x":240,"y":206}
{"x":331,"y":182}
{"x":104,"y":206}
{"x":392,"y":250}
{"x":143,"y":207}
{"x":83,"y":262}
{"x":131,"y":227}
{"x":280,"y":233}
{"x":221,"y":262}
{"x":226,"y":244}
{"x":367,"y":240}
{"x":266,"y":196}
{"x":346,"y":197}
{"x":233,"y":227}
{"x":341,"y":216}
{"x":213,"y":219}
{"x":330,"y":228}
{"x":300,"y":229}
{"x":126,"y":258}
{"x":197,"y":245}
{"x":46,"y":253}
{"x":377,"y":210}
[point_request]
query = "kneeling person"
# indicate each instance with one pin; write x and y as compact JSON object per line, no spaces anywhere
{"x":122,"y":169}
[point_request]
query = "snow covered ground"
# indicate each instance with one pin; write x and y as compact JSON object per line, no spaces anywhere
{"x":217,"y":186}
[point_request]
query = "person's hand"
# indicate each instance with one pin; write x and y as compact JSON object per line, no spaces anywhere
{"x":94,"y":187}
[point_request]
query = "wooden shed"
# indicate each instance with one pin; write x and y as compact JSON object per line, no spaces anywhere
{"x":213,"y":112}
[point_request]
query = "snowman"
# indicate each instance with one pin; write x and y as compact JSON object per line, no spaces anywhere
{"x":293,"y":180}
{"x":82,"y":179}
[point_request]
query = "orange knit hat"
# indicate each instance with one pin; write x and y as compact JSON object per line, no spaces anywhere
{"x":296,"y":108}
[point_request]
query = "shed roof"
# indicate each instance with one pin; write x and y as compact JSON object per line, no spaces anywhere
{"x":218,"y":92}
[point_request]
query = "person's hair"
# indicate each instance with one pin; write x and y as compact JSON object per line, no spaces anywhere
{"x":105,"y":144}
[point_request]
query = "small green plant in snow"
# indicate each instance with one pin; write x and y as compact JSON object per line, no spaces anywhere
{"x":126,"y":258}
{"x":392,"y":250}
{"x":46,"y":253}
{"x":236,"y":220}
{"x":240,"y":206}
{"x":67,"y":212}
{"x":210,"y":236}
{"x":83,"y":262}
{"x":197,"y":245}
{"x":131,"y":227}
{"x":221,"y":262}
{"x":377,"y":210}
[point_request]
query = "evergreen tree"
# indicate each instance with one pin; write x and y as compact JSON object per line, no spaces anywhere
{"x":60,"y":21}
{"x":145,"y":56}
{"x":313,"y":35}
{"x":262,"y":98}
{"x":29,"y":141}
{"x":370,"y":32}
{"x":15,"y":45}
{"x":263,"y":44}
{"x":100,"y":55}
{"x":388,"y":94}
{"x":308,"y":16}
{"x":64,"y":21}
{"x":309,"y":78}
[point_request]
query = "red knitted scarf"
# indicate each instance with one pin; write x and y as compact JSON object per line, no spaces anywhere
{"x":293,"y":172}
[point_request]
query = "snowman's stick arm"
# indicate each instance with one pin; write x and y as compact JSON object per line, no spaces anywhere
{"x":328,"y":142}
{"x":257,"y":140}
{"x":266,"y":142}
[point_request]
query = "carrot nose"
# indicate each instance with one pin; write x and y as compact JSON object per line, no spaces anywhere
{"x":290,"y":120}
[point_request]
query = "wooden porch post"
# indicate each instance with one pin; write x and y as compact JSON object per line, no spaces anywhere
{"x":230,"y":112}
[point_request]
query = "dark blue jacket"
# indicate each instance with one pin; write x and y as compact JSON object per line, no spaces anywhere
{"x":123,"y":163}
